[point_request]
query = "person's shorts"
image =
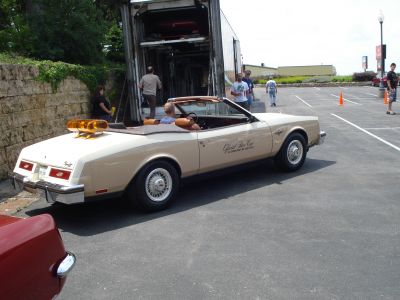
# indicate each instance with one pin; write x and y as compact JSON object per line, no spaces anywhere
{"x":250,"y":99}
{"x":393,"y":95}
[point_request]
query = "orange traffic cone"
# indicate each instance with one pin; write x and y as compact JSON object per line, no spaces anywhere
{"x":341,"y":98}
{"x":385,"y":98}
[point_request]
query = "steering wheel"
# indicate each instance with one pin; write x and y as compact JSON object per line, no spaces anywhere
{"x":193,"y":116}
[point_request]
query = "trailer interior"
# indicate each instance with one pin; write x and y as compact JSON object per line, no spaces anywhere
{"x":176,"y":42}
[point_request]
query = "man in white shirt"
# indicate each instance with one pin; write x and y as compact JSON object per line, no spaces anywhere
{"x":149,"y":85}
{"x":240,"y":90}
{"x":271,"y":91}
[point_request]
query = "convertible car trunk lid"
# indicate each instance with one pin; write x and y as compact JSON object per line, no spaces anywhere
{"x":64,"y":151}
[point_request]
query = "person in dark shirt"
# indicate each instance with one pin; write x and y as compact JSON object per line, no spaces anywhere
{"x":392,"y":82}
{"x":101,"y":106}
{"x":250,"y":95}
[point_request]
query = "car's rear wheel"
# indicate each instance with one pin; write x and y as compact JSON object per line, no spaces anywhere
{"x":155,"y":186}
{"x":293,"y":153}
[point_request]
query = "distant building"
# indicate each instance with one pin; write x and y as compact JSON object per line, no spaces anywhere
{"x":317,"y":70}
{"x":260,"y":71}
{"x":264,"y":72}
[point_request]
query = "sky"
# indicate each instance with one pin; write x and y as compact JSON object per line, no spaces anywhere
{"x":315,"y":32}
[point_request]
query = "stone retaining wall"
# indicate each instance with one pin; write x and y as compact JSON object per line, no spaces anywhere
{"x":30,"y":111}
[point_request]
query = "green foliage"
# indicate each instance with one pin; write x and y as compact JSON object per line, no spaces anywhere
{"x":260,"y":81}
{"x":110,"y":9}
{"x":342,"y":79}
{"x":284,"y":80}
{"x":55,"y":72}
{"x":70,"y":30}
{"x":307,"y":79}
{"x":364,"y":76}
{"x":114,"y":44}
{"x":290,"y":80}
{"x":75,"y":31}
{"x":15,"y":35}
{"x":318,"y":79}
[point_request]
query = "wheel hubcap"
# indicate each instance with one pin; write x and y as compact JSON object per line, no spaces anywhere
{"x":295,"y":152}
{"x":158,"y":185}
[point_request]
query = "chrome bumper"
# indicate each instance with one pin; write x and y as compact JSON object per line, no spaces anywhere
{"x":322,"y":135}
{"x":49,"y":191}
{"x":66,"y":265}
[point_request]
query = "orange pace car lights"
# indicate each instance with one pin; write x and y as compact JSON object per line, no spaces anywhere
{"x":87,"y":126}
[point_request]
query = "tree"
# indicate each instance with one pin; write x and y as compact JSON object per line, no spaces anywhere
{"x":69,"y":30}
{"x":15,"y":35}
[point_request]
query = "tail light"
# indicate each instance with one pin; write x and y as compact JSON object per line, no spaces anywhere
{"x":60,"y":174}
{"x":26,"y":165}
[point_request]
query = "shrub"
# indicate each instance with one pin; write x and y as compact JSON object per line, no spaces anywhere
{"x":55,"y":72}
{"x":342,"y":79}
{"x":260,"y":81}
{"x":364,"y":76}
{"x":290,"y":79}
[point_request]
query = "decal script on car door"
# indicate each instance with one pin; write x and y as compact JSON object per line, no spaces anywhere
{"x":239,"y":146}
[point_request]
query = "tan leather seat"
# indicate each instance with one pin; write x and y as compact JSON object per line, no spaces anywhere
{"x":151,"y":122}
{"x":184,"y":122}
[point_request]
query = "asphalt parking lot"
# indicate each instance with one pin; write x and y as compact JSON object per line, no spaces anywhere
{"x":328,"y":231}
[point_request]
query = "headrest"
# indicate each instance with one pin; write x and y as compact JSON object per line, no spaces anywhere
{"x":184,"y":122}
{"x":151,"y":122}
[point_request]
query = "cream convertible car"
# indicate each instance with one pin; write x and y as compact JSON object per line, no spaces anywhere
{"x":146,"y":163}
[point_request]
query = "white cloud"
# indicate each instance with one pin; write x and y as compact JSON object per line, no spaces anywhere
{"x":292,"y":32}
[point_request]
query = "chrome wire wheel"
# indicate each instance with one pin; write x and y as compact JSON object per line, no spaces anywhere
{"x":158,"y":184}
{"x":295,"y":152}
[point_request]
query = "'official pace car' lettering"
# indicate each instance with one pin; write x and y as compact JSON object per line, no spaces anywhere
{"x":239,"y":146}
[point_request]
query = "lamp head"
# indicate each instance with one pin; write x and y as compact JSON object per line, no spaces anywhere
{"x":381,"y":17}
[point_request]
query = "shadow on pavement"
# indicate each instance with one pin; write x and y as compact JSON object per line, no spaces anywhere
{"x":94,"y":218}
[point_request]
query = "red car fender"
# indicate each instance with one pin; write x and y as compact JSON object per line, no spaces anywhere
{"x":30,"y":252}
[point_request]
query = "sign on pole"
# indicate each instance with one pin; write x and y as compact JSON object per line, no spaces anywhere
{"x":365,"y":63}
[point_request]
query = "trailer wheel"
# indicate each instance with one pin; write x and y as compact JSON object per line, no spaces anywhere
{"x":155,"y":186}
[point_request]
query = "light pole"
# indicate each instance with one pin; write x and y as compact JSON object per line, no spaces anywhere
{"x":381,"y":86}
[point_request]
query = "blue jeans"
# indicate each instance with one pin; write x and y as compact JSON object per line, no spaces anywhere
{"x":393,"y":95}
{"x":272,"y":97}
{"x":250,"y":99}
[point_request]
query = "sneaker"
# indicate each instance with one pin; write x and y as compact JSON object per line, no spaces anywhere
{"x":390,"y":112}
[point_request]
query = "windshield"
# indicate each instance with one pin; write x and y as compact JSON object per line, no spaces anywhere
{"x":208,"y":108}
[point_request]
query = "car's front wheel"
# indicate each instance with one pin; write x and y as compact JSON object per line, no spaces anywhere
{"x":293,"y":153}
{"x":155,"y":186}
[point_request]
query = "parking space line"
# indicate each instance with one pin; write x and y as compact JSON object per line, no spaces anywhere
{"x":382,"y":128}
{"x":302,"y":101}
{"x":346,"y":99}
{"x":367,"y":132}
{"x":354,"y":96}
{"x":371,"y":94}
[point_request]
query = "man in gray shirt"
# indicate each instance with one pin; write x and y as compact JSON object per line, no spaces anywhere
{"x":149,"y":85}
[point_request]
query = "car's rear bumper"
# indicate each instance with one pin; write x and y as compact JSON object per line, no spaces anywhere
{"x":66,"y":265}
{"x":49,"y":191}
{"x":322,"y":135}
